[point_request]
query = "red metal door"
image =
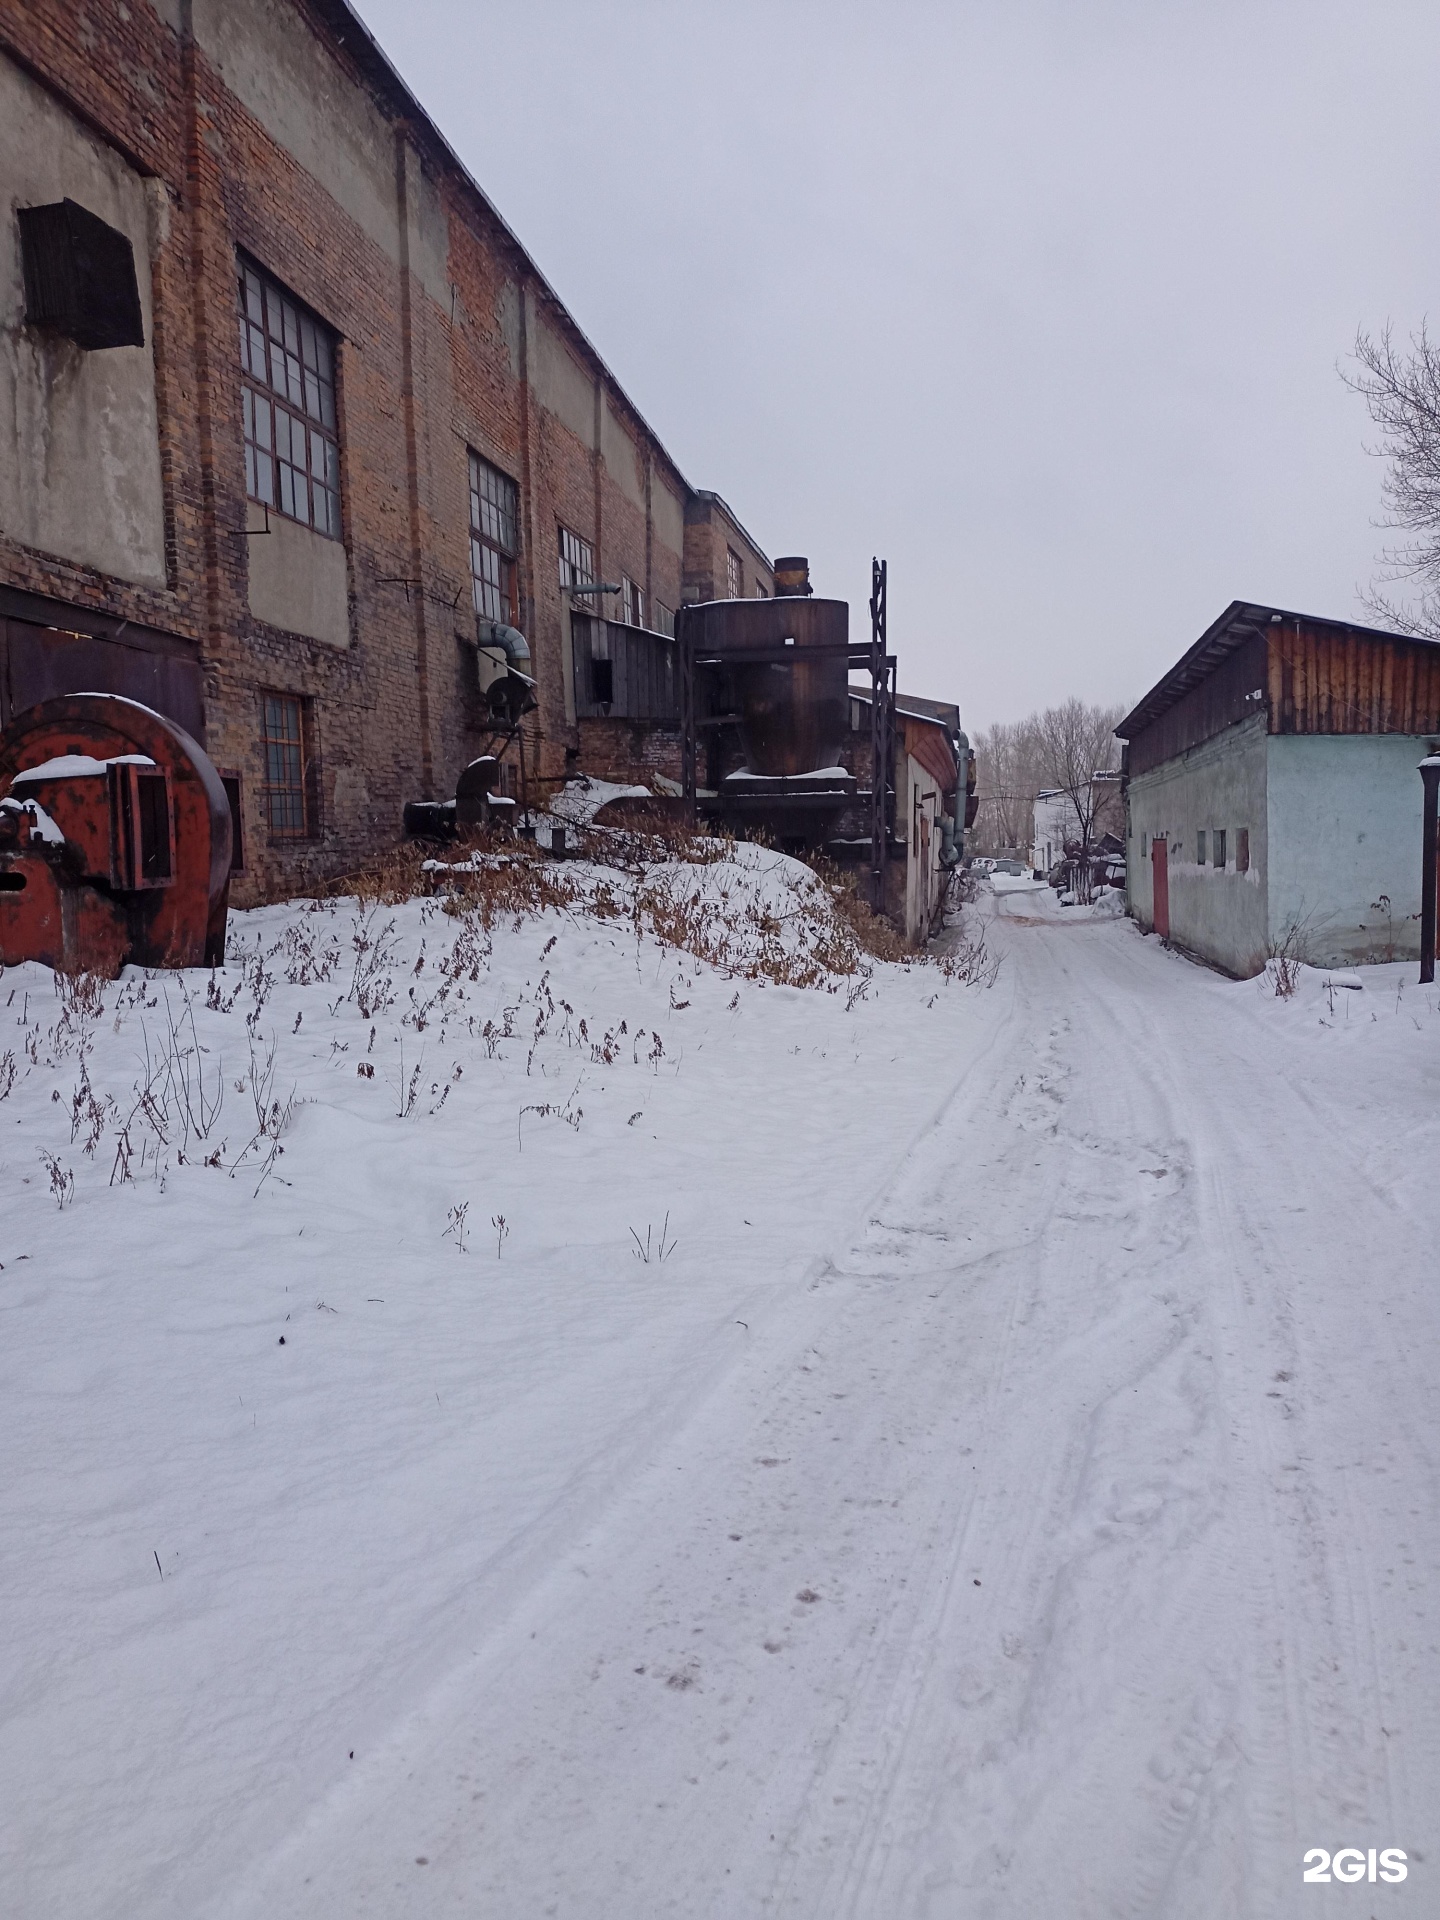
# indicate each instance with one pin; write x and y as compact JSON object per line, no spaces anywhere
{"x":1160,"y":876}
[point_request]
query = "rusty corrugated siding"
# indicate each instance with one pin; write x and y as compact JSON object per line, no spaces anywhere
{"x":930,"y":745}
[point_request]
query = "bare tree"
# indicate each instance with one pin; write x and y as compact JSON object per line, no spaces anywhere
{"x":1008,"y":777}
{"x":1402,"y":390}
{"x":1077,"y":741}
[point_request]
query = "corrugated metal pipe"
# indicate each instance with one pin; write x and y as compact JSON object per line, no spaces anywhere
{"x":510,"y":641}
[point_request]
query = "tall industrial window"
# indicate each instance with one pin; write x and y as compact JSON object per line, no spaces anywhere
{"x":632,"y":602}
{"x":761,"y":591}
{"x":1200,"y":848}
{"x":282,"y":737}
{"x":662,"y":618}
{"x":1242,"y":849}
{"x":287,"y":357}
{"x":577,"y":560}
{"x":734,"y":575}
{"x":1219,"y":846}
{"x":494,"y":541}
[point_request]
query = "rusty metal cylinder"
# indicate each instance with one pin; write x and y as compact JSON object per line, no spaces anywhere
{"x":794,"y":700}
{"x":792,"y":577}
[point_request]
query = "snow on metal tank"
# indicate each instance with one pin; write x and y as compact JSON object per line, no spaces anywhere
{"x":793,"y":699}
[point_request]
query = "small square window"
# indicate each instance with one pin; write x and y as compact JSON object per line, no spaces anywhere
{"x":1242,"y":849}
{"x":1200,"y":848}
{"x":1220,"y":847}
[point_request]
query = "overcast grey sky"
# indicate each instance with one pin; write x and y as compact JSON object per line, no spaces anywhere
{"x":1042,"y":302}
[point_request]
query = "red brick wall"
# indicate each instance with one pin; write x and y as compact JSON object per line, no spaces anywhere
{"x":391,"y":711}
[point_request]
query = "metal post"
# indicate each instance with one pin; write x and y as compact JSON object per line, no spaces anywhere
{"x":1430,"y":775}
{"x":687,"y":713}
{"x":879,"y":734}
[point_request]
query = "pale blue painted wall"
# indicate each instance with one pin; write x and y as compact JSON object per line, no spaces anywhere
{"x":1344,"y":822}
{"x":1334,"y":824}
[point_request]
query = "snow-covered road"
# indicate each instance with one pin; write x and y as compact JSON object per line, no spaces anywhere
{"x":1061,"y":1544}
{"x":1018,"y":1496}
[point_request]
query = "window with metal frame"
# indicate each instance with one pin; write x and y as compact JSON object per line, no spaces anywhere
{"x":662,"y":618}
{"x":762,"y":592}
{"x":577,"y":560}
{"x":287,"y":398}
{"x":284,"y":794}
{"x":734,"y":575}
{"x":632,"y":602}
{"x":494,"y":541}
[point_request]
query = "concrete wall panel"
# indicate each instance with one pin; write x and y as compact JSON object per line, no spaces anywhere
{"x":561,"y":384}
{"x":298,"y":579}
{"x":80,"y":476}
{"x":273,"y":64}
{"x":621,"y":457}
{"x":1217,"y":913}
{"x":1344,"y":830}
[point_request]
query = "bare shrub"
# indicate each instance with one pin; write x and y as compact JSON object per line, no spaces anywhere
{"x":372,"y":986}
{"x":969,"y":961}
{"x":62,"y":1181}
{"x":653,"y":1245}
{"x":456,"y":1228}
{"x":1287,"y":956}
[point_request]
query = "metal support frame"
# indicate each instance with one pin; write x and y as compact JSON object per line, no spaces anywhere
{"x":1430,"y":775}
{"x":882,"y":733}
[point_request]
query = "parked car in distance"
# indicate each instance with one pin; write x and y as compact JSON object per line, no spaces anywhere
{"x":1014,"y":867}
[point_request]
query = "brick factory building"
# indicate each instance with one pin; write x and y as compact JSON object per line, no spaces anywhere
{"x":300,"y":431}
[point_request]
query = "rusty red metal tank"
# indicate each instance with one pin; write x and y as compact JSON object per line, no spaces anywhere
{"x":114,"y":840}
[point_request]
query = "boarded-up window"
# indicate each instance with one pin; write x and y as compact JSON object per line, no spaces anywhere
{"x":79,"y":277}
{"x":287,"y":398}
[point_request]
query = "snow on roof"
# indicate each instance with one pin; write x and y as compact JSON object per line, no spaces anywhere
{"x":79,"y":766}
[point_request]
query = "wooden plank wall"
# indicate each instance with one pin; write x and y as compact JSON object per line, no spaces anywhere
{"x":1328,"y":680}
{"x":1218,"y":702}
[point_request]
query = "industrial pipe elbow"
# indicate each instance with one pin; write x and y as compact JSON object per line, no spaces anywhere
{"x":509,"y":640}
